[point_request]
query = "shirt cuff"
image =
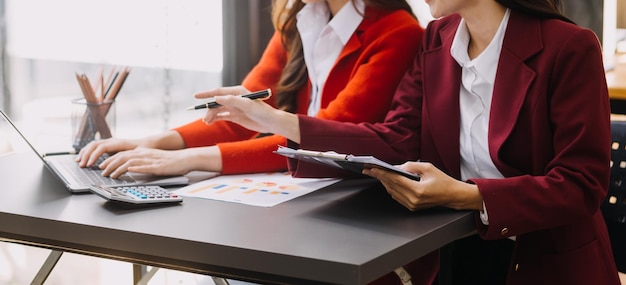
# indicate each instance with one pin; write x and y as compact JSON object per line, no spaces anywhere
{"x":483,"y":215}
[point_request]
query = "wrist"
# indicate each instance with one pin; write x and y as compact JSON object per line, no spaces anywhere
{"x":169,"y":140}
{"x":467,"y":197}
{"x":204,"y":158}
{"x":285,"y":124}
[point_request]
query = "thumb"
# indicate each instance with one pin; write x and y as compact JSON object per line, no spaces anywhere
{"x":231,"y":90}
{"x":416,"y":167}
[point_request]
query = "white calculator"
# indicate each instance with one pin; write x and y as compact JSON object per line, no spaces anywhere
{"x":136,"y":195}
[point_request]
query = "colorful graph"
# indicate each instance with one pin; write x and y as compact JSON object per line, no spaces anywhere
{"x":266,"y":189}
{"x":266,"y":184}
{"x":288,"y":187}
{"x":200,"y":189}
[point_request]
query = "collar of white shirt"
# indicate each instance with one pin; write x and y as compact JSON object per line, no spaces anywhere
{"x":315,"y":16}
{"x":487,"y":62}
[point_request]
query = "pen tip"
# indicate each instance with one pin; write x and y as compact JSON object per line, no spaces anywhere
{"x":189,"y":108}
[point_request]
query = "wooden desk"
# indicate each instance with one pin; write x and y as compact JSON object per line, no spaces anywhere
{"x":616,"y":81}
{"x":347,"y":233}
{"x":616,"y":78}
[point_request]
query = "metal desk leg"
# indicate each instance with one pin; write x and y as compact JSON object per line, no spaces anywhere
{"x":220,"y":281}
{"x":140,"y":274}
{"x":47,"y":267}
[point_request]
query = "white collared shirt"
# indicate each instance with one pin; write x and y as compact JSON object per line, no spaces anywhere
{"x":477,"y":82}
{"x":323,"y":41}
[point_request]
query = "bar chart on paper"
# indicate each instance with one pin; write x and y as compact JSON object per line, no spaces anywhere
{"x":263,"y":189}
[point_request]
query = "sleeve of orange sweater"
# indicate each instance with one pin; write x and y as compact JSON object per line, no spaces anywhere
{"x":264,"y":75}
{"x":253,"y":156}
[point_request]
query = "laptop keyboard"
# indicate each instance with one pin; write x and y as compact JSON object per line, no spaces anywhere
{"x":92,"y":175}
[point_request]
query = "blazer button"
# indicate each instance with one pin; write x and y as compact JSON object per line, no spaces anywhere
{"x":516,"y":266}
{"x":504,"y":231}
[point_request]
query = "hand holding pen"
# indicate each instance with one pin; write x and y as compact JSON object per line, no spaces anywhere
{"x":259,"y":95}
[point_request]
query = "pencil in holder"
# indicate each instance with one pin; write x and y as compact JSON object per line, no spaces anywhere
{"x":91,"y":121}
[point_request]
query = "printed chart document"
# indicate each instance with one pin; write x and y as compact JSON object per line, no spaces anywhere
{"x":345,"y":161}
{"x":263,"y":189}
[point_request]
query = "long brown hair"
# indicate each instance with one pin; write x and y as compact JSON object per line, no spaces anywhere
{"x":294,"y":74}
{"x":541,"y":8}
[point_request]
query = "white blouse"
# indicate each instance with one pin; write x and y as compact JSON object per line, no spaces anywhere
{"x":477,"y":81}
{"x":323,"y":39}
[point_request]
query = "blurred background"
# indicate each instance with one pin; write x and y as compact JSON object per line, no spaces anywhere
{"x":175,"y":48}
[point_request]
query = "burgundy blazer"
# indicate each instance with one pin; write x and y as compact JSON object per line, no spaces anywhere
{"x":549,"y":135}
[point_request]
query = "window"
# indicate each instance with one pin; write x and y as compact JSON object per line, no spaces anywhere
{"x":174,"y":48}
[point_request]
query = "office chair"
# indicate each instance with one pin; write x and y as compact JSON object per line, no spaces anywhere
{"x":614,"y":206}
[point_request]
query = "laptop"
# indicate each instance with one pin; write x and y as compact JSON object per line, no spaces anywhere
{"x":77,"y":179}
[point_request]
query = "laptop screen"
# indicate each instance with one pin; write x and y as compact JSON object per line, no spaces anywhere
{"x":16,"y":138}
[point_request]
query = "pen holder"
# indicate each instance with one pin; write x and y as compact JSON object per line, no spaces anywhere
{"x":91,"y":121}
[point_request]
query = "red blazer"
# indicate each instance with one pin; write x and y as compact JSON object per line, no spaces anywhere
{"x":549,"y":135}
{"x":359,"y":88}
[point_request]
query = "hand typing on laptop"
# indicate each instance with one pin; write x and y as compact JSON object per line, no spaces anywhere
{"x":154,"y":155}
{"x":63,"y":165}
{"x":168,"y":153}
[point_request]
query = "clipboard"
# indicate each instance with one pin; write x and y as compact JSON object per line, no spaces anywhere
{"x":347,"y":162}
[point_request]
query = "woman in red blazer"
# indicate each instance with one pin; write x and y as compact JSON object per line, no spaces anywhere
{"x":506,"y":107}
{"x":359,"y":86}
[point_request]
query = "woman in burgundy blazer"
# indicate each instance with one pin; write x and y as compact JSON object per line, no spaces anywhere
{"x":548,"y":136}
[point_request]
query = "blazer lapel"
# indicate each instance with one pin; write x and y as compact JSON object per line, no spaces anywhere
{"x":512,"y":83}
{"x":353,"y":45}
{"x":441,"y":93}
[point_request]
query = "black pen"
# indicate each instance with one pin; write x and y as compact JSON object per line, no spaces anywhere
{"x":263,"y":94}
{"x":59,"y":153}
